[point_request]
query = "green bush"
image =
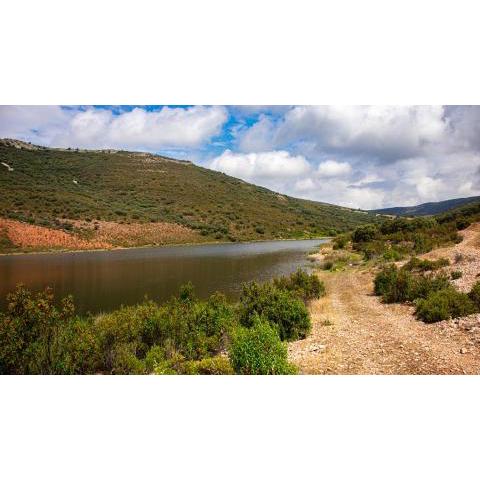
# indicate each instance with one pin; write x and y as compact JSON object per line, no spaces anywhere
{"x":184,"y":325}
{"x":305,"y":286}
{"x":183,"y":336}
{"x":31,"y":338}
{"x":365,"y":233}
{"x":172,"y":366}
{"x":413,"y":236}
{"x":392,"y":255}
{"x":207,"y":366}
{"x":340,"y":242}
{"x":444,"y":304}
{"x":475,"y":295}
{"x":399,"y":285}
{"x":456,"y":274}
{"x":125,"y":360}
{"x":259,"y":351}
{"x":155,"y":357}
{"x":80,"y":348}
{"x":279,"y":307}
{"x":417,"y":264}
{"x":385,"y":280}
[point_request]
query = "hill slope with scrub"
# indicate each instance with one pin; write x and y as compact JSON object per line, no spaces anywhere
{"x":120,"y":198}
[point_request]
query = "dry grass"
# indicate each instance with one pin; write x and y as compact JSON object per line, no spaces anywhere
{"x":32,"y":237}
{"x":136,"y":234}
{"x":94,"y":235}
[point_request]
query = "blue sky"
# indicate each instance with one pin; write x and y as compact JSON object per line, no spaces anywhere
{"x":357,"y":156}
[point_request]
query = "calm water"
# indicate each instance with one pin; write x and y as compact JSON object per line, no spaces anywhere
{"x":102,"y":281}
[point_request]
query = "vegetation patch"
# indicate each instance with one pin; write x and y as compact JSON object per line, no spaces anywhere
{"x":392,"y":240}
{"x":444,"y":304}
{"x":281,"y":308}
{"x":435,"y":298}
{"x":420,"y":265}
{"x":259,"y":351}
{"x":396,"y":285}
{"x":185,"y":335}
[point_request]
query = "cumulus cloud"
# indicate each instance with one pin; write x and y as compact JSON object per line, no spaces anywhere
{"x":102,"y":128}
{"x":261,"y":166}
{"x":382,"y":155}
{"x":33,"y":123}
{"x":386,"y":133}
{"x":331,"y":168}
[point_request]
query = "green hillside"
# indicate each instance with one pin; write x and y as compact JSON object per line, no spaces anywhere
{"x":53,"y":187}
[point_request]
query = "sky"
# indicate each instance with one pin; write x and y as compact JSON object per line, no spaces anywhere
{"x":356,"y":156}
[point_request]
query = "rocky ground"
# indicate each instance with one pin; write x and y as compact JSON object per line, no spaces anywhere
{"x":354,"y":333}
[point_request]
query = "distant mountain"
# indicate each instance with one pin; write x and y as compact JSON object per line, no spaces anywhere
{"x":96,"y":192}
{"x":431,"y":208}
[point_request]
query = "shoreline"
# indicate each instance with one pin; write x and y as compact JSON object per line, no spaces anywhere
{"x":189,"y":244}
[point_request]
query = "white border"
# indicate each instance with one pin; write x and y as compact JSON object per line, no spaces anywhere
{"x":249,"y":52}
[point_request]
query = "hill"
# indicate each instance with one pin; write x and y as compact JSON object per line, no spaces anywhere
{"x":431,"y":208}
{"x":121,"y":198}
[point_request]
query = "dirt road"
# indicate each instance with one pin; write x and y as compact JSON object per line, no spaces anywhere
{"x":354,"y":333}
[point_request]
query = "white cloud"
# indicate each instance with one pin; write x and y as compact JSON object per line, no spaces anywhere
{"x":33,"y":123}
{"x":304,"y":185}
{"x":332,"y":168}
{"x":101,"y":128}
{"x":383,"y":132}
{"x":383,"y":155}
{"x":257,"y":166}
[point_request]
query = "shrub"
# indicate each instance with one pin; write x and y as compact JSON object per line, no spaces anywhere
{"x":305,"y":286}
{"x":475,"y":295}
{"x":259,"y":351}
{"x":125,"y":361}
{"x":417,"y":264}
{"x":392,"y":255}
{"x":155,"y":357}
{"x":207,"y":366}
{"x":79,"y":347}
{"x":172,"y":366}
{"x":462,"y":223}
{"x":364,"y":233}
{"x":444,"y":304}
{"x":31,"y":332}
{"x":340,"y":242}
{"x":327,"y":265}
{"x":279,"y":307}
{"x":385,"y":279}
{"x":456,"y":274}
{"x":184,"y":326}
{"x":400,"y":285}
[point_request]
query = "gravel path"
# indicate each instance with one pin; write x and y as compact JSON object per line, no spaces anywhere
{"x":354,"y":333}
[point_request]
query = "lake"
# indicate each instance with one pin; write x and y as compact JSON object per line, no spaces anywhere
{"x":104,"y":280}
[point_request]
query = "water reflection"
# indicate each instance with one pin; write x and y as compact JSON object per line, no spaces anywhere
{"x":101,"y":281}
